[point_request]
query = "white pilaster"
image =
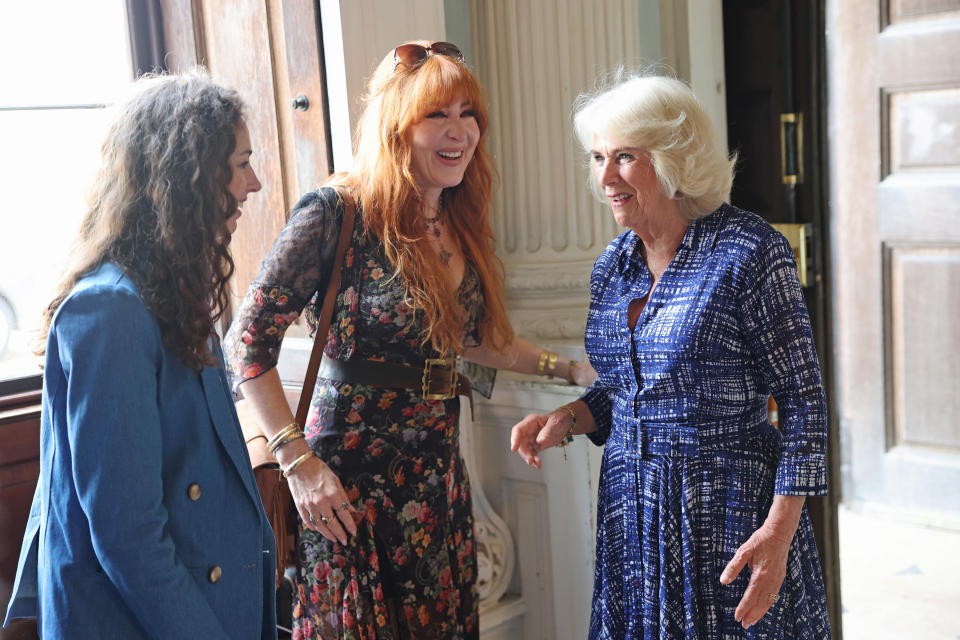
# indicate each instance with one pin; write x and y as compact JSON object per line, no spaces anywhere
{"x":534,"y":58}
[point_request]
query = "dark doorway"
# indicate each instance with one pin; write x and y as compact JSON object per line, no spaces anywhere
{"x":775,"y":65}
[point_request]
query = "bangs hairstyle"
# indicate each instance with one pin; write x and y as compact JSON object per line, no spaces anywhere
{"x":661,"y":116}
{"x":391,"y":200}
{"x":159,"y":206}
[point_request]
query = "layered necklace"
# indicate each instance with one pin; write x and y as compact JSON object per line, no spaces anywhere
{"x":434,"y":228}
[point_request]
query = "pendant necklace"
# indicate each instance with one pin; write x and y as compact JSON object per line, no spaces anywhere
{"x":433,"y":224}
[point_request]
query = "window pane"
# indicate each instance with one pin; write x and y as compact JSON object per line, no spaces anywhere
{"x":59,"y":52}
{"x":78,"y":54}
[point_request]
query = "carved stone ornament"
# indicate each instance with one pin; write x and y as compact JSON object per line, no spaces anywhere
{"x":495,"y":549}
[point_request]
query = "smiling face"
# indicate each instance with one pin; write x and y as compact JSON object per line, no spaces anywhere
{"x":628,"y":180}
{"x":243,"y":179}
{"x":442,"y":145}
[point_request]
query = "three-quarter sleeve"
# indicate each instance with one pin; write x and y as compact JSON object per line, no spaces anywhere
{"x":597,"y":399}
{"x":777,"y":329}
{"x":297,"y":267}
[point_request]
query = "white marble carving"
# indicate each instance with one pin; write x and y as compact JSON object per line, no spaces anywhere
{"x":495,"y":550}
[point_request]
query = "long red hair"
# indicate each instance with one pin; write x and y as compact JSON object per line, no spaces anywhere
{"x":391,"y":201}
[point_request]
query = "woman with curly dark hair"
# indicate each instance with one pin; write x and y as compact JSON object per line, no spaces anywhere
{"x":144,"y":477}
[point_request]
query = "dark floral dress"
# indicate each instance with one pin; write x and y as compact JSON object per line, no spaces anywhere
{"x":411,"y":568}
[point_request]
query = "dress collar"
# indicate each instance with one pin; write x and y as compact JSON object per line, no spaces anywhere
{"x":700,"y":236}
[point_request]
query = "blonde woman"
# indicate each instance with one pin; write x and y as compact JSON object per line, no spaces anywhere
{"x":696,"y":317}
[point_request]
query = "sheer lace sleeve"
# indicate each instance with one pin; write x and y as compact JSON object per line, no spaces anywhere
{"x":296,"y":268}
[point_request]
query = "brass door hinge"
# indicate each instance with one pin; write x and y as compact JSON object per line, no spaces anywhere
{"x":800,"y":237}
{"x":791,"y":147}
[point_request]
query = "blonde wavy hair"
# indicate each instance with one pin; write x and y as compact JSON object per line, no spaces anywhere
{"x":391,"y":200}
{"x":663,"y":117}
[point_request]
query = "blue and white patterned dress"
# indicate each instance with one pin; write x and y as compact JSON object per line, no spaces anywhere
{"x":691,"y":465}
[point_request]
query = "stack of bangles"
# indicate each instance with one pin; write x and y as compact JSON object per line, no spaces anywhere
{"x":287,"y":435}
{"x":547,"y":365}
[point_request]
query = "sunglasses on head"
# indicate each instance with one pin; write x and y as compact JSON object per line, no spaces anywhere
{"x":413,"y":55}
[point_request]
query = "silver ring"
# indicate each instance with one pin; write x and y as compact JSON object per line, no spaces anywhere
{"x":324,"y":519}
{"x":345,"y":505}
{"x":312,"y":519}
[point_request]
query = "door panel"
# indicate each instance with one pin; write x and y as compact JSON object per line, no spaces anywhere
{"x":924,"y":402}
{"x":271,"y":53}
{"x":236,"y":35}
{"x":896,"y":75}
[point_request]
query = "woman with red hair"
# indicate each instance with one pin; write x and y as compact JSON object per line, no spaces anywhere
{"x":386,"y":547}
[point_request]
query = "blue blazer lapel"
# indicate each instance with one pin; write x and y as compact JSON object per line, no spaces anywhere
{"x":227,"y":426}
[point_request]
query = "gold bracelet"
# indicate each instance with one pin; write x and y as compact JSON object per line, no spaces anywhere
{"x":283,"y":433}
{"x":296,"y":463}
{"x":552,"y":364}
{"x":542,"y":361}
{"x":295,"y":435}
{"x":569,"y":376}
{"x":573,"y":416}
{"x":252,"y":438}
{"x":573,"y":425}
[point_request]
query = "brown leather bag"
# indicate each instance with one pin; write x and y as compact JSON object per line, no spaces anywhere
{"x":274,"y":492}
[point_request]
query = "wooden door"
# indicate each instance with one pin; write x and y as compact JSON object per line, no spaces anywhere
{"x":895,"y":75}
{"x":774,"y":55}
{"x":19,"y":472}
{"x":271,"y":53}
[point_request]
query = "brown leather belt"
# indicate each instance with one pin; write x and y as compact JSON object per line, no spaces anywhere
{"x":438,"y":379}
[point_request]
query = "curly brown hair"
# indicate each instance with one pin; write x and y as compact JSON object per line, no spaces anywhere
{"x":159,"y":207}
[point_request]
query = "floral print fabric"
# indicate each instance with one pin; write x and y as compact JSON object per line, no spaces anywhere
{"x":410,"y":572}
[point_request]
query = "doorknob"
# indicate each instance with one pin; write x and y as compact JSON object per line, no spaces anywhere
{"x":300,"y":103}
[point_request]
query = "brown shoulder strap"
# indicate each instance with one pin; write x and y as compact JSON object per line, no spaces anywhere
{"x":326,"y":313}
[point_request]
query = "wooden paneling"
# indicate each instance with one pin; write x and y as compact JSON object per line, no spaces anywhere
{"x":238,"y":44}
{"x":924,"y":131}
{"x":270,"y":52}
{"x":896,"y":213}
{"x":912,"y":9}
{"x":918,"y":55}
{"x":924,"y":287}
{"x":303,"y":133}
{"x":919,"y":206}
{"x":182,"y":34}
{"x":19,"y":471}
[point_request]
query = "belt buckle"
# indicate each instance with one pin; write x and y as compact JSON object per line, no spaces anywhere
{"x":428,"y":368}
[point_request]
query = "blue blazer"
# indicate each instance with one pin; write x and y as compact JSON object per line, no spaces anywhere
{"x":146,"y":522}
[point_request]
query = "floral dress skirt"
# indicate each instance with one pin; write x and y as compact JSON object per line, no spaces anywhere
{"x":410,"y":572}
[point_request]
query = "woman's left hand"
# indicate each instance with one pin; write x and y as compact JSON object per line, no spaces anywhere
{"x":765,"y":552}
{"x":539,"y":431}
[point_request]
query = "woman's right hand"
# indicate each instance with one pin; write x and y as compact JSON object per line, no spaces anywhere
{"x":321,"y":500}
{"x":316,"y":489}
{"x":539,"y":431}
